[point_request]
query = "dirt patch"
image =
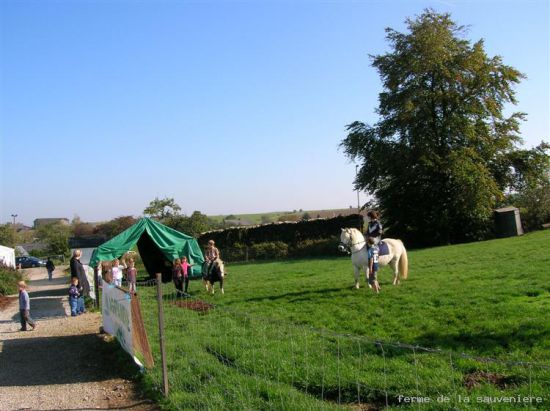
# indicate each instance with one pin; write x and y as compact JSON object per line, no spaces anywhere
{"x":477,"y":378}
{"x":195,"y":305}
{"x":5,"y":301}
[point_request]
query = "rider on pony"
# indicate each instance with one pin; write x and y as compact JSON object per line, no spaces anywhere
{"x":374,"y":229}
{"x":211,"y":255}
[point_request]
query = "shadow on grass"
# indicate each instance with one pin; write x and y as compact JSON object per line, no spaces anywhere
{"x":523,"y":336}
{"x":299,"y":295}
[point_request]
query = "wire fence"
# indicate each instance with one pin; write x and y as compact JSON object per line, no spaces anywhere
{"x":223,"y":358}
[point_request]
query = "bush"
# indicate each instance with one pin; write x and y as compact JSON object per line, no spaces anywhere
{"x":269,"y":251}
{"x":287,"y":233}
{"x":235,"y":253}
{"x":8,"y":281}
{"x":316,"y":248}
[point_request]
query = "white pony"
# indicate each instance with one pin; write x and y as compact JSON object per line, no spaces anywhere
{"x":352,"y":240}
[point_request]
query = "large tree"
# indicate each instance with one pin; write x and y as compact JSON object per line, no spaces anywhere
{"x":193,"y":225}
{"x":443,"y":153}
{"x":56,"y":237}
{"x":162,"y":208}
{"x":115,"y":226}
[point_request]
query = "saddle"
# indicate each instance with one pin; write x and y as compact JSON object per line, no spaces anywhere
{"x":383,"y":248}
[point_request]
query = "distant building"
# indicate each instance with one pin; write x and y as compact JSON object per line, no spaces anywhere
{"x":39,"y":222}
{"x":21,"y":227}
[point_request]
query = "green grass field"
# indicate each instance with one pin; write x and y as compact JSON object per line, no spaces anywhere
{"x":296,"y":335}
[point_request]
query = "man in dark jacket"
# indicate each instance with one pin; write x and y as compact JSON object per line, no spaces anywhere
{"x":77,"y":270}
{"x":50,"y":267}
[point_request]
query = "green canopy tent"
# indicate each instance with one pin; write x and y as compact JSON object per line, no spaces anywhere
{"x":158,"y":246}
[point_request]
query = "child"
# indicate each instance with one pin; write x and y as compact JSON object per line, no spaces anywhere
{"x":131,"y":274}
{"x":177,"y":273}
{"x":73,"y":297}
{"x":25,"y":307}
{"x":373,"y":265}
{"x":186,"y":268}
{"x":116,"y":271}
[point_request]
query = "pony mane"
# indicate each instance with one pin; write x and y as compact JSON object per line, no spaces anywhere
{"x":355,"y":233}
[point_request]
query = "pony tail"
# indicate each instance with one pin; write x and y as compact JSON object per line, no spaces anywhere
{"x":404,"y":263}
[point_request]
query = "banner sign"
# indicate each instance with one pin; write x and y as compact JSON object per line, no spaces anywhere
{"x":90,"y":276}
{"x":116,"y":308}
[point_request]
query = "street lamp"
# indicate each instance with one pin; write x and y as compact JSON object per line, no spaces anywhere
{"x":356,"y":175}
{"x":14,"y":241}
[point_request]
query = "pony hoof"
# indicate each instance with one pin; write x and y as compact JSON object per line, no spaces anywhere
{"x":356,"y":286}
{"x":222,"y":291}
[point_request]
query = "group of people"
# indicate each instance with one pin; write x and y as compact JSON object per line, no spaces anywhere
{"x":180,"y":274}
{"x":114,"y":272}
{"x":80,"y":287}
{"x":181,"y":268}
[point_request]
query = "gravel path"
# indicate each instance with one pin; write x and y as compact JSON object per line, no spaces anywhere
{"x":63,"y":364}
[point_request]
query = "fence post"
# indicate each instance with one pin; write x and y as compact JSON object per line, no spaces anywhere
{"x":96,"y":288}
{"x":161,"y":335}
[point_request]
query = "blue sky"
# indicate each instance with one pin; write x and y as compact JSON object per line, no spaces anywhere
{"x":229,"y":107}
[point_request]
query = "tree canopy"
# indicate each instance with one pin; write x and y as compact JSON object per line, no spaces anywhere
{"x":56,"y":237}
{"x":162,"y":208}
{"x":443,"y":154}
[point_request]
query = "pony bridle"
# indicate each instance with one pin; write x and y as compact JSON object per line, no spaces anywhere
{"x":346,"y":247}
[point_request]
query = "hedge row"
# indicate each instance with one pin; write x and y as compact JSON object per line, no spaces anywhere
{"x":310,"y":238}
{"x":277,"y":250}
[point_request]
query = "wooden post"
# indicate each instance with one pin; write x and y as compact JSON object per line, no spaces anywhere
{"x":96,"y":288}
{"x":161,"y":335}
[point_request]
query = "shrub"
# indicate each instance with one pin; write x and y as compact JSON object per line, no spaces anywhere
{"x":269,"y":251}
{"x":316,"y":248}
{"x":235,"y":253}
{"x":8,"y":280}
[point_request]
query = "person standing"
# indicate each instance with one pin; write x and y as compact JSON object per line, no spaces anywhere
{"x":117,"y":269}
{"x":77,"y":270}
{"x":186,"y":269}
{"x":131,"y":275}
{"x":50,"y":267}
{"x":177,"y":275}
{"x":72,"y":262}
{"x":73,"y":296}
{"x":25,"y":307}
{"x":373,"y":265}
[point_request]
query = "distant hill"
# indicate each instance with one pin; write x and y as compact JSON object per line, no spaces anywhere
{"x":270,"y":217}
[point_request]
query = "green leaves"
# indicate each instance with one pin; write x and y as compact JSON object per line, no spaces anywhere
{"x":162,"y":208}
{"x":443,"y":152}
